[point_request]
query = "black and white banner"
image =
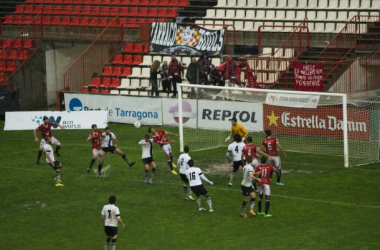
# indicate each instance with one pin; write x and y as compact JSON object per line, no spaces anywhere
{"x":167,"y":38}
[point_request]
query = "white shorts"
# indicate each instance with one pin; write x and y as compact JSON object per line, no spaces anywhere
{"x":167,"y":148}
{"x":53,"y":141}
{"x":255,"y":163}
{"x":97,"y":152}
{"x":264,"y":189}
{"x":275,"y":162}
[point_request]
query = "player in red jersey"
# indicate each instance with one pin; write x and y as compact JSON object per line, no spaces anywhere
{"x":251,"y":150}
{"x":97,"y":152}
{"x":270,"y":144}
{"x":265,"y":172}
{"x":160,"y":138}
{"x":45,"y":129}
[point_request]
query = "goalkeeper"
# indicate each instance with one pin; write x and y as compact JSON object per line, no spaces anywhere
{"x":237,"y":128}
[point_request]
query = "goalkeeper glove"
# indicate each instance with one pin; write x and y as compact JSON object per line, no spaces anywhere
{"x":228,"y":138}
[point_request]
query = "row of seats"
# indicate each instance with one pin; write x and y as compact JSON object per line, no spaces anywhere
{"x":8,"y":66}
{"x":117,"y":71}
{"x":16,"y":43}
{"x":324,"y":27}
{"x":96,"y":11}
{"x":127,"y":59}
{"x":163,"y":3}
{"x":136,"y":48}
{"x":300,"y":4}
{"x":79,"y":21}
{"x":14,"y":54}
{"x":285,"y":15}
{"x":104,"y":82}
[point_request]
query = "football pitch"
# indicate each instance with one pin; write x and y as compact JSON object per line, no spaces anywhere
{"x":321,"y":206}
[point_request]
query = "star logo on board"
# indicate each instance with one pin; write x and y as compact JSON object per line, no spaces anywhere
{"x":272,"y":119}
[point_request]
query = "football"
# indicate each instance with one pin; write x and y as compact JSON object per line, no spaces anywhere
{"x":137,"y":124}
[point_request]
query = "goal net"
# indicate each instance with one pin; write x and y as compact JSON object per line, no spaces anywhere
{"x":330,"y":124}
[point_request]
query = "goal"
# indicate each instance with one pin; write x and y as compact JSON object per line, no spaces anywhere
{"x":343,"y":126}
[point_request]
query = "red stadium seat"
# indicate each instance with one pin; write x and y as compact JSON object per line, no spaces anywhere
{"x":143,"y":12}
{"x":103,"y":22}
{"x":94,"y":22}
{"x":7,"y":43}
{"x":125,"y":2}
{"x":128,"y":47}
{"x":65,"y":21}
{"x":132,"y":23}
{"x":153,"y":2}
{"x":114,"y":11}
{"x":85,"y":11}
{"x":47,"y":10}
{"x":133,"y":12}
{"x":146,"y":48}
{"x":95,"y":82}
{"x":172,"y":13}
{"x":37,"y":9}
{"x":66,"y":10}
{"x":84,"y":90}
{"x":107,"y":2}
{"x":8,"y":19}
{"x":107,"y":71}
{"x":163,"y":3}
{"x":12,"y":55}
{"x":87,"y":2}
{"x":17,"y":43}
{"x":114,"y":22}
{"x":183,"y":3}
{"x":76,"y":10}
{"x":124,"y":11}
{"x":68,"y":1}
{"x":11,"y":66}
{"x":55,"y":20}
{"x":2,"y":77}
{"x":104,"y":11}
{"x":75,"y":21}
{"x":123,"y":22}
{"x":29,"y":1}
{"x":77,"y":1}
{"x":138,"y":48}
{"x":46,"y":20}
{"x":144,"y":2}
{"x":106,"y":82}
{"x":4,"y":54}
{"x":137,"y":59}
{"x":23,"y":55}
{"x":127,"y":59}
{"x":115,"y":83}
{"x":19,"y":9}
{"x":152,"y":12}
{"x":28,"y":44}
{"x":117,"y":71}
{"x":17,"y":20}
{"x":104,"y":91}
{"x":96,"y":1}
{"x":116,"y":2}
{"x":127,"y":71}
{"x":2,"y":65}
{"x":173,"y":2}
{"x":39,"y":1}
{"x":95,"y":91}
{"x":57,"y":10}
{"x":84,"y":21}
{"x":26,"y":19}
{"x":135,"y":2}
{"x":28,"y":9}
{"x":117,"y":59}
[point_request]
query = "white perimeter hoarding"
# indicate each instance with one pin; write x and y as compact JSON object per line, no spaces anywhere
{"x":122,"y":109}
{"x":71,"y":120}
{"x":170,"y":112}
{"x":292,"y":100}
{"x":215,"y":115}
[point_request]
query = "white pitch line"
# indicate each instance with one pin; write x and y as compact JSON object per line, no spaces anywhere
{"x":213,"y":187}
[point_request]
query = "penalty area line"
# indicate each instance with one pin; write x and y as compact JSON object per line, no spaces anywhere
{"x":210,"y":187}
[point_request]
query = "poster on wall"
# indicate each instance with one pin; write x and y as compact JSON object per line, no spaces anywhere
{"x":308,"y":77}
{"x":168,"y":38}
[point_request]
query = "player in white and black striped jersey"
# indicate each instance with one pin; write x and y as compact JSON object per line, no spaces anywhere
{"x":147,"y":158}
{"x":183,"y":161}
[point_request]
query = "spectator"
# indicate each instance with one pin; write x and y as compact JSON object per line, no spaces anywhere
{"x":216,"y":76}
{"x":154,"y":70}
{"x":164,"y":71}
{"x":230,"y":71}
{"x":205,"y":63}
{"x":193,"y":73}
{"x":176,"y":73}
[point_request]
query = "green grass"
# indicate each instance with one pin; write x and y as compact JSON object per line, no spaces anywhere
{"x":322,"y":206}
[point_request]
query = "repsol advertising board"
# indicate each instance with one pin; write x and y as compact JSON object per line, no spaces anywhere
{"x":321,"y":122}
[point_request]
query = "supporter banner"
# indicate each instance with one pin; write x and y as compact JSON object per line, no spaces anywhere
{"x":324,"y":122}
{"x":71,"y":120}
{"x":167,"y":38}
{"x":170,"y":113}
{"x":292,"y":100}
{"x":215,"y":115}
{"x":123,"y":109}
{"x":308,"y":77}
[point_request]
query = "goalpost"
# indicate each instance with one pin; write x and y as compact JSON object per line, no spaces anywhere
{"x":318,"y":123}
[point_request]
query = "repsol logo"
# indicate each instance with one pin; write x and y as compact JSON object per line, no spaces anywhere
{"x":223,"y":115}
